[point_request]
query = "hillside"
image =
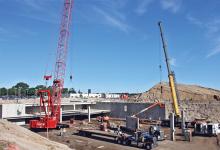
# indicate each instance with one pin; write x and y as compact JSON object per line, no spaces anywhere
{"x":185,"y":92}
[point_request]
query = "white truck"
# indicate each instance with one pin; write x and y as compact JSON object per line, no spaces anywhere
{"x":206,"y":129}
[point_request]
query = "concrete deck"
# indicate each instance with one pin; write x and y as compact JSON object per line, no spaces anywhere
{"x":64,"y":114}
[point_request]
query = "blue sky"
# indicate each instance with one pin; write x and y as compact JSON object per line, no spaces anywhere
{"x":114,"y":44}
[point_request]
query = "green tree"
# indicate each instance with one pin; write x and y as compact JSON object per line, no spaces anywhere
{"x":65,"y":91}
{"x":22,"y":85}
{"x":72,"y":90}
{"x":21,"y":89}
{"x":31,"y":92}
{"x":40,"y":87}
{"x":3,"y":91}
{"x":12,"y":91}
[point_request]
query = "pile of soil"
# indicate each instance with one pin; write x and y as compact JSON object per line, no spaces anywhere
{"x":18,"y":138}
{"x":161,"y":91}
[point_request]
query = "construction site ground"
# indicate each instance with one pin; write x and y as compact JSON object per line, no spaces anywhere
{"x":74,"y":141}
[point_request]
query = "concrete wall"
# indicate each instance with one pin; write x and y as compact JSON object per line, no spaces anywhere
{"x":121,"y":110}
{"x":198,"y":109}
{"x":12,"y":110}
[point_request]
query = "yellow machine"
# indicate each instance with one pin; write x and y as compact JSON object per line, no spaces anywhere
{"x":171,"y":75}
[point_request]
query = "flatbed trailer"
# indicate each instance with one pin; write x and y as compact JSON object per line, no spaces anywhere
{"x":90,"y":132}
{"x":120,"y":138}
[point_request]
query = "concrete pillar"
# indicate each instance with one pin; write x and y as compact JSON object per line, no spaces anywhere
{"x":61,"y":115}
{"x":183,"y":125}
{"x":138,"y":125}
{"x":172,"y":127}
{"x":89,"y":113}
{"x":74,"y":106}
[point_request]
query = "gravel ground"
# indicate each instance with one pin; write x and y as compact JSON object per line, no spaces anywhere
{"x":71,"y":139}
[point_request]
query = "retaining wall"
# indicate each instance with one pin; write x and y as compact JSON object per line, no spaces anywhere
{"x":124,"y":109}
{"x":197,"y":109}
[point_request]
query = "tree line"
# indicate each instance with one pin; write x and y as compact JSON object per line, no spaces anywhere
{"x":22,"y":89}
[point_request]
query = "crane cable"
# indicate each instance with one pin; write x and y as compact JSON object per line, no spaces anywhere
{"x":71,"y":66}
{"x":160,"y":65}
{"x":46,"y":72}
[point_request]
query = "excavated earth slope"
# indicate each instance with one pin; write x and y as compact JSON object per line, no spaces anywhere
{"x":185,"y":92}
{"x":196,"y":101}
{"x":18,"y":138}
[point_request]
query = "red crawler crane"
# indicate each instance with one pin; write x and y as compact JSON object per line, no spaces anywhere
{"x":50,"y":103}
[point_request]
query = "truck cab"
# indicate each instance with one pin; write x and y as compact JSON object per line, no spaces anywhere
{"x":157,"y":132}
{"x":144,"y":139}
{"x":213,"y":129}
{"x":200,"y":128}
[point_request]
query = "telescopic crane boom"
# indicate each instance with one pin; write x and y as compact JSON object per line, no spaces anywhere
{"x":149,"y":107}
{"x":171,"y":74}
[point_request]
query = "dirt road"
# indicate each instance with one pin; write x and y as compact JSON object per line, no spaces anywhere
{"x":83,"y":143}
{"x":71,"y":139}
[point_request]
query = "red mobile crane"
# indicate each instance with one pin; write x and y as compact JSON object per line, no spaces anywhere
{"x":50,"y":102}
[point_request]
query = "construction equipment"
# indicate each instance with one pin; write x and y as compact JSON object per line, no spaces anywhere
{"x":47,"y":78}
{"x":206,"y":129}
{"x":104,"y":122}
{"x":157,"y":132}
{"x":161,"y":105}
{"x":171,"y":75}
{"x":200,"y":128}
{"x":139,"y":138}
{"x":50,"y":103}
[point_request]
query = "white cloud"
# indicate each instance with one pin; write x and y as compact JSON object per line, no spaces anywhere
{"x":172,"y":61}
{"x":213,"y":27}
{"x":214,"y":51}
{"x":212,"y":32}
{"x":40,"y":10}
{"x":32,"y":4}
{"x":194,"y":20}
{"x":112,"y":20}
{"x":46,"y":19}
{"x":35,"y":4}
{"x":143,"y":6}
{"x":171,"y":5}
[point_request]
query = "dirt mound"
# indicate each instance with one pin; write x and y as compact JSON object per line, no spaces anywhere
{"x":161,"y":91}
{"x":22,"y":139}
